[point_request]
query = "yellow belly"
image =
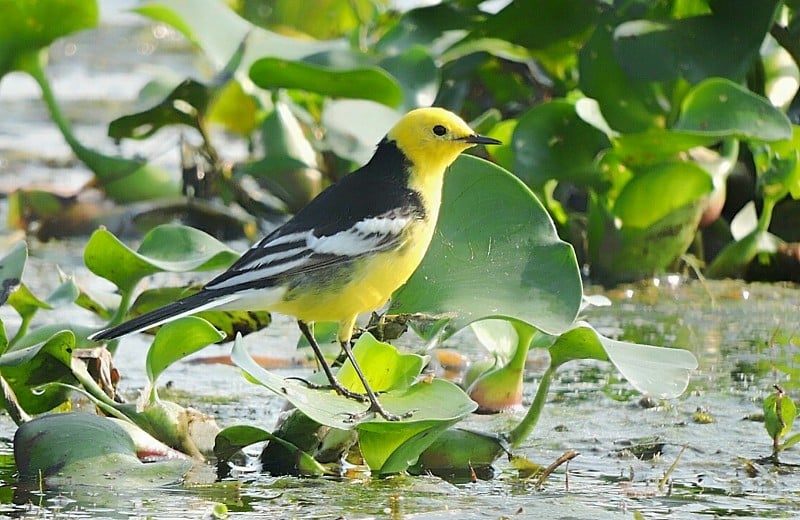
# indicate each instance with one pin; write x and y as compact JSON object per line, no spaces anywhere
{"x":365,"y":286}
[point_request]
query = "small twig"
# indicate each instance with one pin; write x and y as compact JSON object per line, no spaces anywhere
{"x":565,"y":457}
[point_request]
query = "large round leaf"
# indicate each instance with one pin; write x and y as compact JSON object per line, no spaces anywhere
{"x":495,"y":254}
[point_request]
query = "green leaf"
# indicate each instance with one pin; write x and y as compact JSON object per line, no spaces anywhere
{"x":27,"y":368}
{"x":542,"y":24}
{"x":552,"y":142}
{"x":392,"y":450}
{"x":720,"y":108}
{"x":11,"y":267}
{"x":176,"y":340}
{"x":734,"y":258}
{"x":677,"y":185}
{"x":26,"y":27}
{"x":460,"y":452}
{"x":417,"y":74}
{"x":185,"y":105}
{"x":232,"y":439}
{"x":495,"y":254}
{"x":628,"y":104}
{"x":389,"y":369}
{"x":165,"y":248}
{"x":84,"y":449}
{"x":724,"y":43}
{"x":656,"y":371}
{"x":779,"y":414}
{"x":436,"y":401}
{"x":646,"y":234}
{"x":371,"y":83}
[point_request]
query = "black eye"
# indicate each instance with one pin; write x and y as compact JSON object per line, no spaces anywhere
{"x":439,"y":130}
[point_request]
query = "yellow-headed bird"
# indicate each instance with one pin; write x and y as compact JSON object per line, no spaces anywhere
{"x":349,"y":249}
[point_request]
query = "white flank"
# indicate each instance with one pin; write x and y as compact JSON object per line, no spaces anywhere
{"x":260,"y":272}
{"x":364,"y":237}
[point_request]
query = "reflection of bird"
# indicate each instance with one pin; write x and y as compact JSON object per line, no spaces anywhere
{"x":349,"y":249}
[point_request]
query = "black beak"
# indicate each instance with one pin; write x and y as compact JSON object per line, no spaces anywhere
{"x":480,"y":139}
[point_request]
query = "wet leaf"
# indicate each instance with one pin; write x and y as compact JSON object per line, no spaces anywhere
{"x":487,"y":263}
{"x":165,"y":248}
{"x":720,"y":108}
{"x":232,"y":439}
{"x":83,"y":449}
{"x":456,"y":452}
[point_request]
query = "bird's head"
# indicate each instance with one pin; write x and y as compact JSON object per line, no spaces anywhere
{"x":432,"y":138}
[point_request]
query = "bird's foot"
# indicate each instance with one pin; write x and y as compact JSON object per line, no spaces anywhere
{"x":377,"y":408}
{"x":341,"y":390}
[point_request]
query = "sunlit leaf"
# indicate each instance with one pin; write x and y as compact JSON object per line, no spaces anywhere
{"x":677,"y":183}
{"x":388,"y":369}
{"x":165,"y":248}
{"x":656,"y":371}
{"x":484,"y":262}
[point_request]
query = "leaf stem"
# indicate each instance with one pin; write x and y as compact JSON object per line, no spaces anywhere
{"x":525,"y":427}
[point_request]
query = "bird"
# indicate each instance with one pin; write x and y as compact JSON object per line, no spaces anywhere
{"x":346,"y":251}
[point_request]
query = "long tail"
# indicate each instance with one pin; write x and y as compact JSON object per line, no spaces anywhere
{"x":193,"y":304}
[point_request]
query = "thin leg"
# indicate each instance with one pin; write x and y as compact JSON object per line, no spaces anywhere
{"x":335,"y":384}
{"x":375,"y":406}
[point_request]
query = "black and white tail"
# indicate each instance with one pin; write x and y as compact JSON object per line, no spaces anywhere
{"x":193,"y":304}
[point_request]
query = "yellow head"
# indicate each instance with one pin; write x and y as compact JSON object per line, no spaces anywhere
{"x":432,"y":138}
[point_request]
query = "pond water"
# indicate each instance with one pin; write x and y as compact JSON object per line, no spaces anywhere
{"x":745,"y":336}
